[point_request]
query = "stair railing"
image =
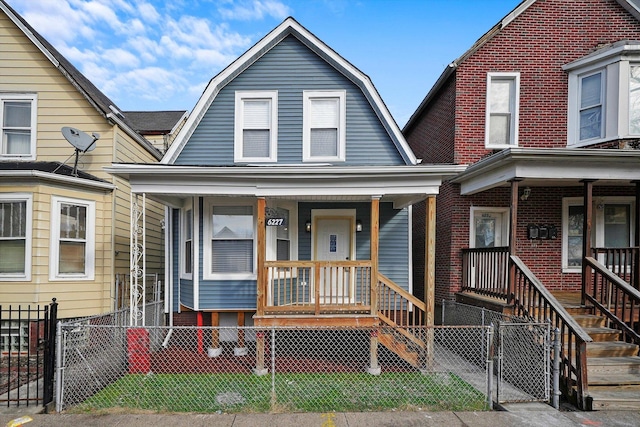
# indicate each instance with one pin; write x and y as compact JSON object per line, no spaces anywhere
{"x":532,"y":300}
{"x":615,"y":299}
{"x":623,"y":262}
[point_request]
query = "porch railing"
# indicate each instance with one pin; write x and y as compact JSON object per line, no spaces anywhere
{"x":624,"y":262}
{"x":615,"y":299}
{"x":318,"y":287}
{"x":485,"y":271}
{"x":531,"y":299}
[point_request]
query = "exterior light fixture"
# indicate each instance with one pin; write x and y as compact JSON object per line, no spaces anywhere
{"x":358,"y":225}
{"x":307,"y":226}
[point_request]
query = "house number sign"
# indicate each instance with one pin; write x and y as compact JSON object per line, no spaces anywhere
{"x":275,"y":222}
{"x":273,"y":219}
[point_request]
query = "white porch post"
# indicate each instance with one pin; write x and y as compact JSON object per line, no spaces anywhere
{"x":137,"y":260}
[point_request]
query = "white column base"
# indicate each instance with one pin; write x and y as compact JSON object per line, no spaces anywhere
{"x":374,"y":371}
{"x":214,"y":352}
{"x":260,"y":372}
{"x":240,"y":351}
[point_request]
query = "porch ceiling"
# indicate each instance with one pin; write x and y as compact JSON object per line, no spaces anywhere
{"x":403,"y":185}
{"x":551,"y":168}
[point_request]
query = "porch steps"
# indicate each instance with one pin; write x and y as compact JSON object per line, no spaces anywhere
{"x":405,"y":350}
{"x":613,"y":366}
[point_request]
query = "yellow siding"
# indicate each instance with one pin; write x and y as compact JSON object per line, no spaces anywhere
{"x":24,"y":68}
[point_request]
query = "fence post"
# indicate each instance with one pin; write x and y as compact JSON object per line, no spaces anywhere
{"x":273,"y":367}
{"x":556,"y":369}
{"x":489,"y":353}
{"x":51,"y":318}
{"x":59,"y":387}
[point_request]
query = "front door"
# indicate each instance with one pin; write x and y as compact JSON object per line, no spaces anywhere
{"x":333,"y":242}
{"x":489,"y":229}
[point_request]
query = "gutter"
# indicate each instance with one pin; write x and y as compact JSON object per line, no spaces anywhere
{"x":47,"y":176}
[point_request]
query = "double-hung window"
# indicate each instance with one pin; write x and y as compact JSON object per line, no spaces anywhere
{"x":187,"y":242}
{"x":230,"y":249}
{"x":256,"y":126}
{"x":591,"y":106}
{"x":501,"y":129}
{"x":15,"y":237}
{"x":18,"y":121}
{"x":324,"y":126}
{"x":72,"y":239}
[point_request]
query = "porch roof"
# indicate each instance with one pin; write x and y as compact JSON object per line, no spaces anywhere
{"x":403,"y":185}
{"x":550,"y":167}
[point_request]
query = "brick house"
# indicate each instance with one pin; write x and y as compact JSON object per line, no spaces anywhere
{"x":540,"y":56}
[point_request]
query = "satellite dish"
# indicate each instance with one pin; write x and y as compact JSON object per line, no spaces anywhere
{"x":81,"y":141}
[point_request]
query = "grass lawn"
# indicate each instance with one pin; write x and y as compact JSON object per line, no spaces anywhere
{"x":302,"y":392}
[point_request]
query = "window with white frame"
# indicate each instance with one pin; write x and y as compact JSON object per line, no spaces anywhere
{"x":256,"y":126}
{"x":229,"y":236}
{"x":612,"y":227}
{"x":187,"y":242}
{"x":604,"y":95}
{"x":18,"y":116}
{"x":15,"y":236}
{"x":72,"y":239}
{"x":283,"y":236}
{"x":503,"y":91}
{"x":324,"y":126}
{"x":591,"y":105}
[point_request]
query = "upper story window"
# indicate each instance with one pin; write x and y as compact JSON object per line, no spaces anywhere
{"x":256,"y":126}
{"x":15,"y":236}
{"x":18,"y":116}
{"x":72,"y":239}
{"x":503,"y":93}
{"x":604,"y":95}
{"x":324,"y":126}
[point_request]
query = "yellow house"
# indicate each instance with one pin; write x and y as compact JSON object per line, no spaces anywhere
{"x":64,"y":230}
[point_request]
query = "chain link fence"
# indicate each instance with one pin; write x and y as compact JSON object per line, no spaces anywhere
{"x":275,"y":370}
{"x":521,"y":351}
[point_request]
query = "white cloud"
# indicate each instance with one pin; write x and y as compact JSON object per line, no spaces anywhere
{"x":148,"y":12}
{"x":121,"y":58}
{"x":255,"y":10}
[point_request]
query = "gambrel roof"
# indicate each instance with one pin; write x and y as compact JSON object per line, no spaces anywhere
{"x":290,"y":27}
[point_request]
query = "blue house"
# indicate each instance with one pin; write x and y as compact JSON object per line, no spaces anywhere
{"x":289,"y":196}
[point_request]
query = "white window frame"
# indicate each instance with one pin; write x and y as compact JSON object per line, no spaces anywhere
{"x":89,"y":273}
{"x":33,"y":98}
{"x":240,"y":97}
{"x":602,"y":104}
{"x":597,"y":231}
{"x":28,"y":198}
{"x":514,"y":103}
{"x":207,"y":213}
{"x":272,"y":235}
{"x":308,"y":97}
{"x":188,"y":207}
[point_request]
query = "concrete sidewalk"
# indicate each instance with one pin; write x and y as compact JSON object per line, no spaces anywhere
{"x":518,"y":415}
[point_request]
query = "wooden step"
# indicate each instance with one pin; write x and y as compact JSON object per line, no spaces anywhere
{"x":621,"y":398}
{"x":399,"y":348}
{"x":610,"y":349}
{"x":626,"y":365}
{"x":612,"y":379}
{"x":603,"y":334}
{"x":589,"y":320}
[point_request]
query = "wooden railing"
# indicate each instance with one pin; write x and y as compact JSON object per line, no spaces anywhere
{"x":615,"y":299}
{"x":397,"y":307}
{"x":624,"y":262}
{"x":485,"y":271}
{"x":318,"y":287}
{"x":532,"y":300}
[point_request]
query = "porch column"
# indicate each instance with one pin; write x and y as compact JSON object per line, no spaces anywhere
{"x":635,"y":282}
{"x":513,"y":229}
{"x":430,"y":261}
{"x":586,"y":234}
{"x":375,"y":236}
{"x":261,"y":256}
{"x":137,"y":260}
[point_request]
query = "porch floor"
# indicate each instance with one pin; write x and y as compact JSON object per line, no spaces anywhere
{"x":328,"y":320}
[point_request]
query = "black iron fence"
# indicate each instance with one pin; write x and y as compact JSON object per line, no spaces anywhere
{"x":27,"y":354}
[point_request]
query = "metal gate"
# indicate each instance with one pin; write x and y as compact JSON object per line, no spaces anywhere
{"x":27,"y":354}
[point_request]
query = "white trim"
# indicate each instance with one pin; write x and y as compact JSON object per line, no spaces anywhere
{"x":90,"y":239}
{"x":240,"y":97}
{"x":183,"y":234}
{"x":195,"y":282}
{"x":308,"y":96}
{"x":28,"y":198}
{"x":514,"y":104}
{"x":33,"y":98}
{"x":333,"y":213}
{"x":410,"y":240}
{"x":207,"y":213}
{"x":271,"y":232}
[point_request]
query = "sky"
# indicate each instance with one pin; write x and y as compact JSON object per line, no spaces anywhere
{"x":151,"y":55}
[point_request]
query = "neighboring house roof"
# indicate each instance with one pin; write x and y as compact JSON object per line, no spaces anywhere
{"x":290,"y":27}
{"x":105,"y":106}
{"x":155,"y":122}
{"x":632,"y":6}
{"x":53,"y":171}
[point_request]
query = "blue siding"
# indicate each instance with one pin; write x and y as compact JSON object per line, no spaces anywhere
{"x":290,"y":68}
